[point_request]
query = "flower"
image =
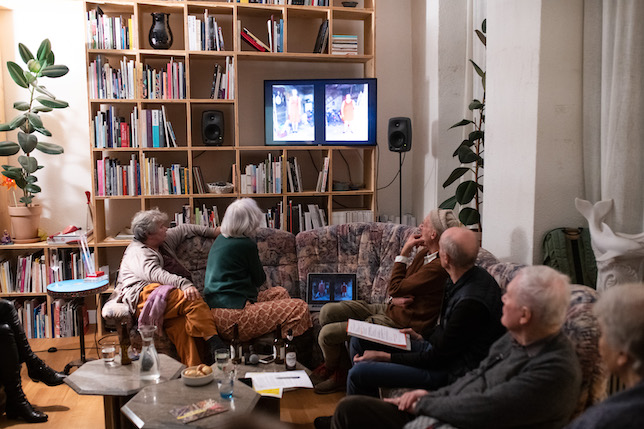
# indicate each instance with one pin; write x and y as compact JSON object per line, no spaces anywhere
{"x":8,"y":183}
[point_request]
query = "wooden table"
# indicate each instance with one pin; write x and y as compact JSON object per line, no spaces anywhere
{"x":118,"y":384}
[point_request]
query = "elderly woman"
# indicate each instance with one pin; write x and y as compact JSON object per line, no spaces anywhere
{"x":621,"y":346}
{"x":234,"y":275}
{"x":16,"y":350}
{"x":153,"y":282}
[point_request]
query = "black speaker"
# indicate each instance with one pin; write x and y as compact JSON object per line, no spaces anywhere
{"x":212,"y":127}
{"x":399,"y":134}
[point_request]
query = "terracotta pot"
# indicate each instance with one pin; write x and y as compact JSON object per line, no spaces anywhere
{"x":24,"y":223}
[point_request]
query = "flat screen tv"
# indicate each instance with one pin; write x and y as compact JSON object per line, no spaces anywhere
{"x":320,"y":112}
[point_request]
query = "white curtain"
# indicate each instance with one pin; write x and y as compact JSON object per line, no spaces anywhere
{"x":614,"y":109}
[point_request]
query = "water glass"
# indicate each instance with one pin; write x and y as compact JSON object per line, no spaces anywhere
{"x":109,"y":352}
{"x":226,"y":384}
{"x":222,"y":358}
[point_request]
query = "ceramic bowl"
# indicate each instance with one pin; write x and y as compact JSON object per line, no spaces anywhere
{"x":200,"y":380}
{"x":349,"y":3}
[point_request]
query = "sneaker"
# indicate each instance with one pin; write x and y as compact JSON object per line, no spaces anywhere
{"x":336,"y":383}
{"x":322,"y":422}
{"x":320,"y":374}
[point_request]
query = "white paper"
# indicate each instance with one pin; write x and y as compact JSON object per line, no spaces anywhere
{"x":378,"y":333}
{"x":275,"y":380}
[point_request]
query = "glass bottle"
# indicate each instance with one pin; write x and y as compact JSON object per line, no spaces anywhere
{"x":149,"y":358}
{"x":290,"y":352}
{"x":278,"y":345}
{"x":236,"y":346}
{"x":125,"y":345}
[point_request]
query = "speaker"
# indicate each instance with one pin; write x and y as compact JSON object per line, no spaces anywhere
{"x":212,"y":127}
{"x":399,"y":134}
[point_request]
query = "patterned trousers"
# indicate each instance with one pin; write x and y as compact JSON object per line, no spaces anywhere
{"x":273,"y":306}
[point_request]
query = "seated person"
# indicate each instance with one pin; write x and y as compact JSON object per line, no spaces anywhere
{"x":16,"y":350}
{"x":234,"y":275}
{"x":142,"y":278}
{"x":470,"y":321}
{"x":621,"y":319}
{"x":530,"y":379}
{"x":416,"y":293}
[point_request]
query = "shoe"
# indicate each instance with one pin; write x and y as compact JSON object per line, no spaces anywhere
{"x":323,"y":422}
{"x":39,"y":371}
{"x":320,"y":374}
{"x":23,"y":409}
{"x":336,"y":383}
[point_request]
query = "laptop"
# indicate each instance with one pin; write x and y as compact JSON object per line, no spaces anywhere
{"x":323,"y":288}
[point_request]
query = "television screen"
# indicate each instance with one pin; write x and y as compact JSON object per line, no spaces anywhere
{"x":320,"y":112}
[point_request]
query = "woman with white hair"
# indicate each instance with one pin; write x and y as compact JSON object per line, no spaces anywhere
{"x":621,"y":346}
{"x":234,"y":275}
{"x":154,"y":284}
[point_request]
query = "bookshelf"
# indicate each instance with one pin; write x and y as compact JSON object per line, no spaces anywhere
{"x":241,"y":101}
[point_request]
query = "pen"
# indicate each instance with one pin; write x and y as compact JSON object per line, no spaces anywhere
{"x":283,"y":378}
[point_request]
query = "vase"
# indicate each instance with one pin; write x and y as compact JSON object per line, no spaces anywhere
{"x":149,"y":358}
{"x":160,"y":36}
{"x":24,"y":223}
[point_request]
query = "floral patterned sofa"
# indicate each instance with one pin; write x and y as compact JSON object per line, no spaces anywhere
{"x":369,"y":249}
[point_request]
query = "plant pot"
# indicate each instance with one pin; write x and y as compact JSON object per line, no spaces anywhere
{"x":24,"y":223}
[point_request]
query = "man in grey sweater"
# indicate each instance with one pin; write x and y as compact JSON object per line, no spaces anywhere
{"x":530,"y":379}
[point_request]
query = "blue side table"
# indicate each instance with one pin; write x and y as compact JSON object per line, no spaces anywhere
{"x":77,"y":289}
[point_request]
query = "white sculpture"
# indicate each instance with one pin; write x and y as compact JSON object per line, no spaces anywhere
{"x":620,"y":257}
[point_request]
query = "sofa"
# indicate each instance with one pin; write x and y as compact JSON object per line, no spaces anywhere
{"x":368,"y":249}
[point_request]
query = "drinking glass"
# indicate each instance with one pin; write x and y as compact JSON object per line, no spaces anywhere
{"x":109,"y":351}
{"x":226,"y":383}
{"x":222,"y":358}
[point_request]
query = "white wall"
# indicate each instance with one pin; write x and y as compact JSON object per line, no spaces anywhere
{"x":65,"y":177}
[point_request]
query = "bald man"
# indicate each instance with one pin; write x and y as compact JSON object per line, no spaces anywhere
{"x":470,"y":321}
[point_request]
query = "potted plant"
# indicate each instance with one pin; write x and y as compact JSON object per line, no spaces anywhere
{"x":29,"y":123}
{"x":469,"y":153}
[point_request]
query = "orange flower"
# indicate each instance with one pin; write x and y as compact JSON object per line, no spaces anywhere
{"x":8,"y":183}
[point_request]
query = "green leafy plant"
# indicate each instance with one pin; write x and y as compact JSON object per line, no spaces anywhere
{"x":470,"y":155}
{"x":29,"y":121}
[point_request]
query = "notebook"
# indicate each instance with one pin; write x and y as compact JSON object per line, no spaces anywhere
{"x":329,"y":287}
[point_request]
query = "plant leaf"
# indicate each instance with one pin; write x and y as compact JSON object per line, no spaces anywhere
{"x":5,"y":127}
{"x":449,"y":203}
{"x":476,"y":135}
{"x":475,"y":105}
{"x":21,"y":105}
{"x":44,"y":131}
{"x":31,"y":179}
{"x":27,"y":142}
{"x":466,"y":143}
{"x":50,"y":58}
{"x":38,"y":109}
{"x":25,"y":53}
{"x":482,"y":37}
{"x":17,"y":74}
{"x":34,"y":189}
{"x":50,"y":148}
{"x":35,"y":120}
{"x":14,"y":175}
{"x":33,"y":66}
{"x":28,"y":163}
{"x":8,"y":148}
{"x":484,"y":26}
{"x":469,"y":216}
{"x":50,"y":102}
{"x":478,"y":69}
{"x":457,"y":173}
{"x":466,"y":155}
{"x":26,"y":200}
{"x":54,"y":71}
{"x":41,"y":89}
{"x":466,"y":191}
{"x":461,"y":123}
{"x":43,"y":50}
{"x":18,"y":121}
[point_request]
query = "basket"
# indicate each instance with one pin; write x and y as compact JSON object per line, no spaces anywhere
{"x":220,"y":188}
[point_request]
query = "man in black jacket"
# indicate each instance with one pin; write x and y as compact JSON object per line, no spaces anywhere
{"x":469,"y":324}
{"x":530,"y":379}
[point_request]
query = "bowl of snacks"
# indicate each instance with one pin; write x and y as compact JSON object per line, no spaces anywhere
{"x":197,"y":375}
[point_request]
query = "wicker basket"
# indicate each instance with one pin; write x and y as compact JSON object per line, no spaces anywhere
{"x":220,"y":188}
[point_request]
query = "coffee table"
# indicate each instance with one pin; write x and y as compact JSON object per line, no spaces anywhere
{"x":117,"y":384}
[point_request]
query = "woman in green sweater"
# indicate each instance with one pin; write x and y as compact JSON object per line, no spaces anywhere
{"x":234,"y":275}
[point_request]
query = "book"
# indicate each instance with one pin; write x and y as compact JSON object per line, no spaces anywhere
{"x":246,"y":38}
{"x":378,"y":334}
{"x":256,"y":39}
{"x":320,"y":42}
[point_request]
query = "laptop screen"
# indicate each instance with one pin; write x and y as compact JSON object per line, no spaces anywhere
{"x":330,"y":287}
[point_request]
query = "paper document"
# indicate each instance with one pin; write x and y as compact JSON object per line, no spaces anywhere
{"x":378,"y":334}
{"x":275,"y":380}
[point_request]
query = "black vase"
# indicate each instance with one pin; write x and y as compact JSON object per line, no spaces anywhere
{"x":160,"y":34}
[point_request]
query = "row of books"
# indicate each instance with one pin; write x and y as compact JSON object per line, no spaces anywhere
{"x":204,"y":34}
{"x":160,"y":180}
{"x":203,"y":215}
{"x":343,"y":44}
{"x":63,"y":318}
{"x":111,"y":130}
{"x":67,"y":264}
{"x":348,"y":216}
{"x":293,"y":175}
{"x":107,"y":32}
{"x":298,"y":219}
{"x":114,"y":179}
{"x":158,"y":130}
{"x":223,"y":81}
{"x":33,"y":315}
{"x":165,"y":84}
{"x":29,"y":275}
{"x":112,"y":83}
{"x":263,"y":178}
{"x":323,"y":176}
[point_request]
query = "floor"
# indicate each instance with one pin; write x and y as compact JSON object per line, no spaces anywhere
{"x":67,"y":410}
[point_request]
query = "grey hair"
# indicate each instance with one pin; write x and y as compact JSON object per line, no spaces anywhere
{"x":461,"y":255}
{"x":242,"y":218}
{"x":546,"y":292}
{"x":619,"y":310}
{"x":147,"y":222}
